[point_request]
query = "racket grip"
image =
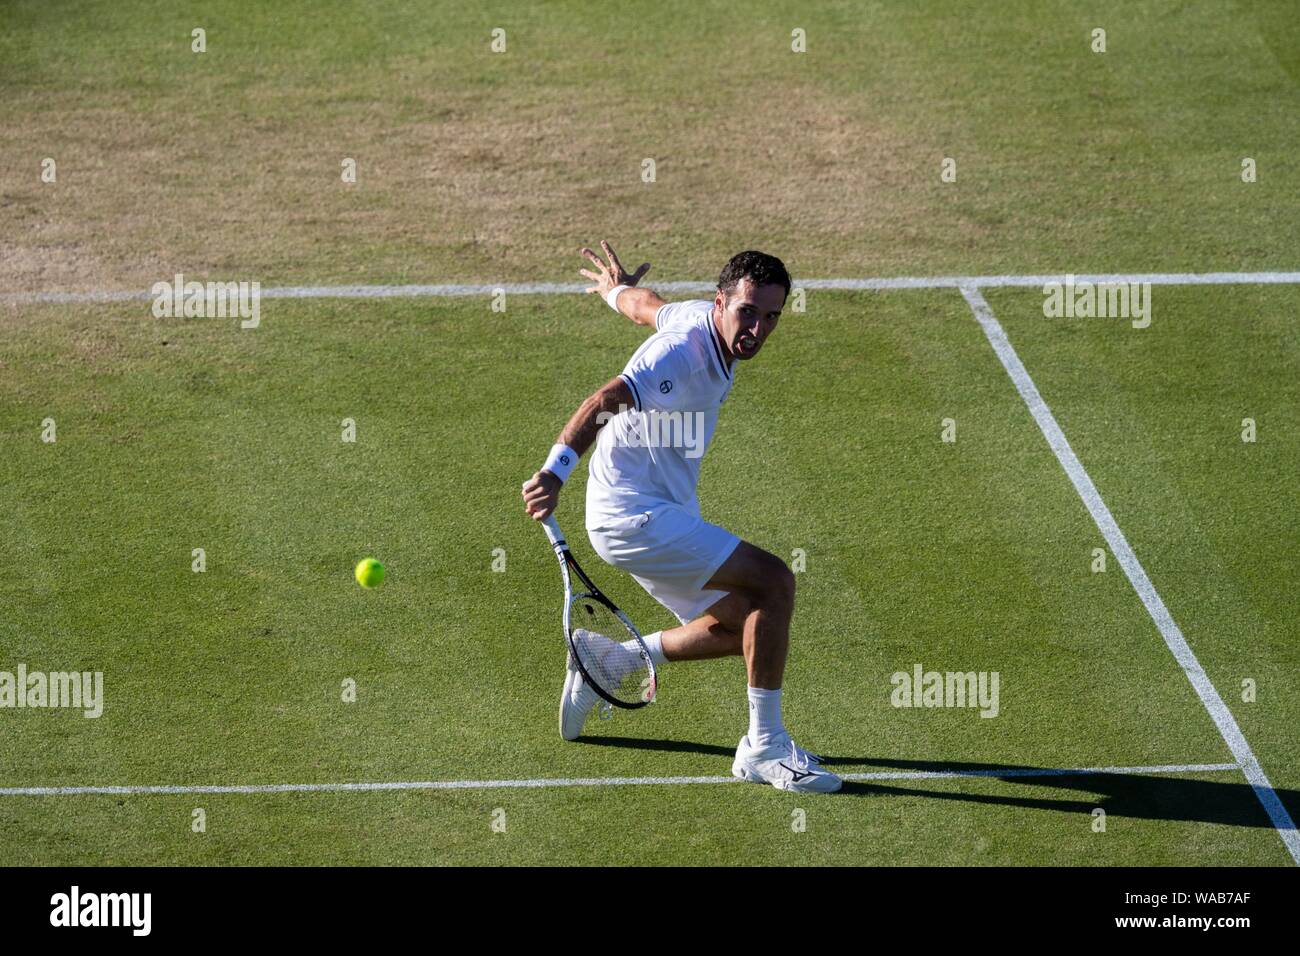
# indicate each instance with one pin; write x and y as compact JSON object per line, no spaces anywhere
{"x":553,"y":531}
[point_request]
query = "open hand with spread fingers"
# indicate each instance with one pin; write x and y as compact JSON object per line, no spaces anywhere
{"x":609,"y":276}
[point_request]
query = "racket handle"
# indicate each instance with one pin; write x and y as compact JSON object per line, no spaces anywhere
{"x":553,"y":531}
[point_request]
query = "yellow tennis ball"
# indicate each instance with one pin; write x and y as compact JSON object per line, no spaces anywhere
{"x":370,"y":573}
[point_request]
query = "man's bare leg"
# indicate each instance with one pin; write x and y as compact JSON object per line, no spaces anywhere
{"x":753,"y":619}
{"x":718,"y":632}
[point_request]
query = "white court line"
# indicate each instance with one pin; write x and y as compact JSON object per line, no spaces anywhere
{"x":556,"y":288}
{"x":1119,"y":547}
{"x":544,"y":783}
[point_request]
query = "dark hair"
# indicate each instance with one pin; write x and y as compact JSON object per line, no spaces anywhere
{"x":758,"y":267}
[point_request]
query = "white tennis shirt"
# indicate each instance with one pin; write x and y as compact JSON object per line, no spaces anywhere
{"x":650,"y":455}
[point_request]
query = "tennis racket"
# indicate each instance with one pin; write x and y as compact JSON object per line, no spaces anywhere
{"x":604,"y":645}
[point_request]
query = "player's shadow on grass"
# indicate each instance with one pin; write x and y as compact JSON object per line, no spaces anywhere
{"x":672,"y":746}
{"x":1230,"y":801}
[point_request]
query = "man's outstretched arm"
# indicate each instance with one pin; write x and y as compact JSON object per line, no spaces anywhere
{"x":542,"y":491}
{"x":639,"y":305}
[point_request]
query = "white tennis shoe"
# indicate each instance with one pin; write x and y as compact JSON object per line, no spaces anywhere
{"x":577,"y":699}
{"x":785,"y":765}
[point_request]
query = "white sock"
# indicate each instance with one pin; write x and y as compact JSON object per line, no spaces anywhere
{"x":630,"y":653}
{"x":764,"y":715}
{"x":655,"y":645}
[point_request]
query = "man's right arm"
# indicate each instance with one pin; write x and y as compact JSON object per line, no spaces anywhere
{"x":611,"y":398}
{"x":542,"y":491}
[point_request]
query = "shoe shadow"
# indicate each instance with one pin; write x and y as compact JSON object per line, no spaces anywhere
{"x":668,"y":746}
{"x":1230,"y":801}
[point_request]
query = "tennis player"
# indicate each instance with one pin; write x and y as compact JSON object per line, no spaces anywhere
{"x":643,"y":517}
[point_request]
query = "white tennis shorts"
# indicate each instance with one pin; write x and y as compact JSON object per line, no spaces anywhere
{"x":670,"y":552}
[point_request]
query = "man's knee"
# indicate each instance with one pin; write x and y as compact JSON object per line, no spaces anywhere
{"x":763,"y":578}
{"x":787,"y":582}
{"x":776,"y":583}
{"x":772,"y":588}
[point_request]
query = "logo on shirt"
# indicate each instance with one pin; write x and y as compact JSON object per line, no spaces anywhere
{"x":665,"y":386}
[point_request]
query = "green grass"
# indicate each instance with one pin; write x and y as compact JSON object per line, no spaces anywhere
{"x":970,"y":556}
{"x":1156,"y":416}
{"x":495,"y":167}
{"x":183,"y":434}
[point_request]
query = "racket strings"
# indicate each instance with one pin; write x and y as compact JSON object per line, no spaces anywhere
{"x":608,"y":652}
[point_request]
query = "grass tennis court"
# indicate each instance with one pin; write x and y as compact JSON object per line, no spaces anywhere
{"x":968,"y":555}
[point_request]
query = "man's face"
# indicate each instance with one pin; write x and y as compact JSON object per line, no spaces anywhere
{"x":746,"y":316}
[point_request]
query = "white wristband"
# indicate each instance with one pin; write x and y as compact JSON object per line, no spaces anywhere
{"x":612,"y":296}
{"x":561,"y":462}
